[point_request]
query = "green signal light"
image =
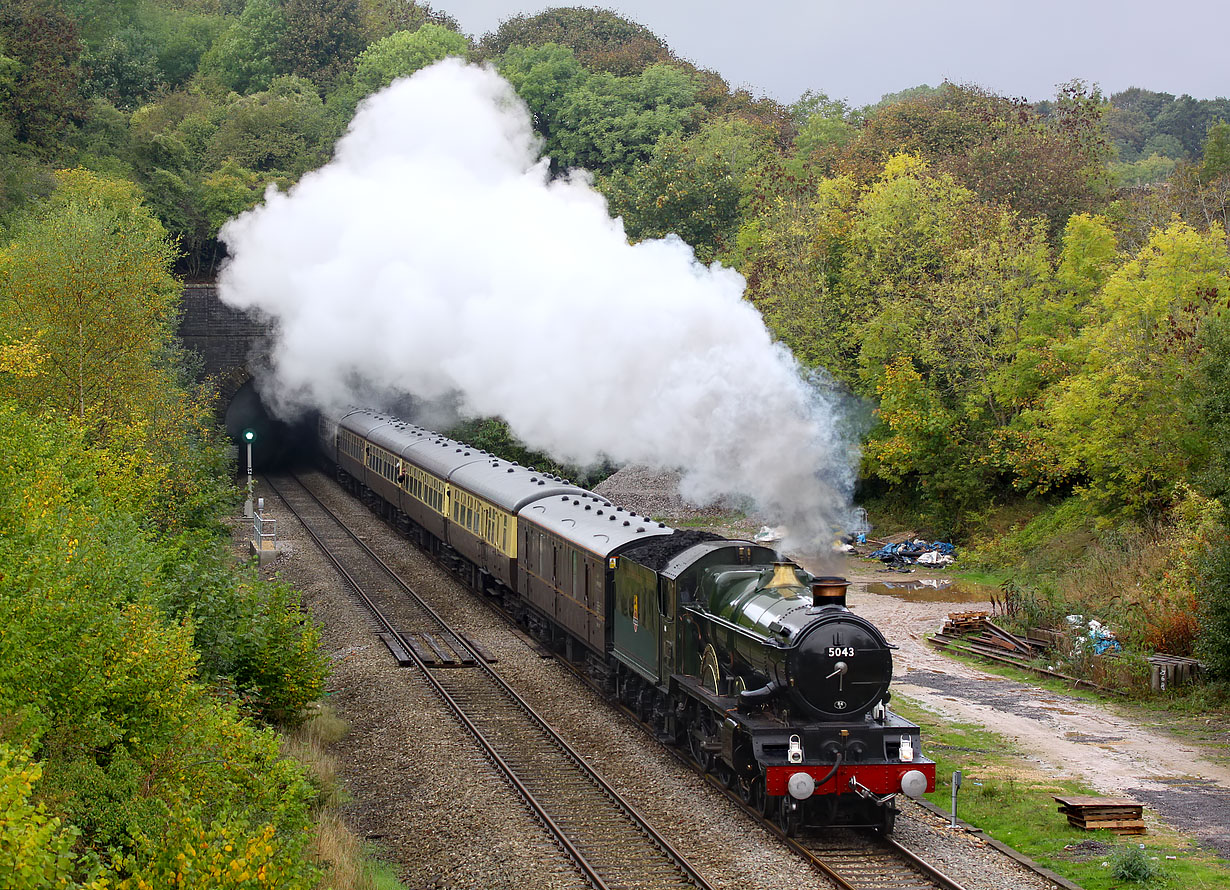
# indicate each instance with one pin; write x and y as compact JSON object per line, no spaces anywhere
{"x":249,"y":435}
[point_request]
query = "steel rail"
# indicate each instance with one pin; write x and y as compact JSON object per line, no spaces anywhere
{"x":941,"y":880}
{"x":559,"y":833}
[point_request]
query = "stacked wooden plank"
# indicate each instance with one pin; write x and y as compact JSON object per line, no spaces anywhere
{"x":959,"y":622}
{"x":1168,"y":671}
{"x":977,"y":632}
{"x":1115,"y":814}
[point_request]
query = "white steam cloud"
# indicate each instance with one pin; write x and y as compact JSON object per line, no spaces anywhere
{"x":435,"y":256}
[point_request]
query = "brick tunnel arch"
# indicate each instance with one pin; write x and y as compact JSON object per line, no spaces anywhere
{"x":233,"y":347}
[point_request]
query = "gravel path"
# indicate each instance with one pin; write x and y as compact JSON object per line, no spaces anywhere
{"x":422,"y":791}
{"x":1062,"y":735}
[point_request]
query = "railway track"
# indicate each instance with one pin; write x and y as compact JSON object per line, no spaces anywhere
{"x":610,"y":844}
{"x":856,"y":861}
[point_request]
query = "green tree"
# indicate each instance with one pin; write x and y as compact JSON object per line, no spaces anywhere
{"x":544,"y":76}
{"x":609,"y":122}
{"x":1129,"y":120}
{"x":792,"y":246}
{"x":600,"y":40}
{"x":1213,"y":644}
{"x":1188,"y":120}
{"x":380,"y":18}
{"x":41,"y":72}
{"x":1121,"y":421}
{"x":284,"y":129}
{"x":403,"y":53}
{"x":168,"y":144}
{"x":243,"y":57}
{"x":692,"y":187}
{"x":1146,"y":171}
{"x":1208,"y":393}
{"x":181,"y":37}
{"x":102,"y":691}
{"x":123,"y":69}
{"x":35,"y":848}
{"x":1001,"y":149}
{"x":601,"y":122}
{"x":321,"y":38}
{"x":1216,"y":155}
{"x":823,"y":125}
{"x":232,"y":189}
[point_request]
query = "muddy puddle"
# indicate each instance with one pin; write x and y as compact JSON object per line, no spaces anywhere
{"x":933,"y":590}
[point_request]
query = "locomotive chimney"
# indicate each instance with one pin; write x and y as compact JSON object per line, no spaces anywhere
{"x":829,"y":591}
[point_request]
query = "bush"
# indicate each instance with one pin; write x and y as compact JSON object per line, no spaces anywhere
{"x":35,"y":848}
{"x":140,"y":763}
{"x":1213,"y":645}
{"x":1131,"y":864}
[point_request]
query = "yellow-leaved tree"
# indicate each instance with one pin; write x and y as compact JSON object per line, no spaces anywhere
{"x":86,"y":285}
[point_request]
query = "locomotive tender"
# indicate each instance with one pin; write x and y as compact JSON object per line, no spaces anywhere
{"x":753,"y":665}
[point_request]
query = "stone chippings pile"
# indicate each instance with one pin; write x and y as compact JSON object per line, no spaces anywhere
{"x":655,"y":493}
{"x":422,"y":792}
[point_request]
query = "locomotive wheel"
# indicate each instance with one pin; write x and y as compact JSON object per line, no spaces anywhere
{"x":697,"y":746}
{"x":789,"y":818}
{"x":769,"y":804}
{"x":702,"y":728}
{"x":753,"y":794}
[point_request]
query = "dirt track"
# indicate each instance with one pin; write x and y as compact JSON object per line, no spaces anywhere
{"x":1063,"y":735}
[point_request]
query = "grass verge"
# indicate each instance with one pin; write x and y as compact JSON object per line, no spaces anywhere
{"x":348,"y":864}
{"x":1003,"y":795}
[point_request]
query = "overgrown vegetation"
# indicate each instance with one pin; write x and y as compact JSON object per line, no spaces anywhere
{"x":1029,"y":299}
{"x":492,"y":434}
{"x":142,"y":672}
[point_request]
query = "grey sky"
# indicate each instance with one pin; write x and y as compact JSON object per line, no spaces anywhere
{"x":860,"y":50}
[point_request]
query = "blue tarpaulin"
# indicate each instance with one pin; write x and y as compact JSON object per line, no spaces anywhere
{"x":909,"y":551}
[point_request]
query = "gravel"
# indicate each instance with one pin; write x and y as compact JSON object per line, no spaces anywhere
{"x":656,"y":493}
{"x":422,"y":791}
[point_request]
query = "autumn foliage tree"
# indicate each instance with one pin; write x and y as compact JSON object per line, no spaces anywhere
{"x":87,"y":277}
{"x":1002,"y":149}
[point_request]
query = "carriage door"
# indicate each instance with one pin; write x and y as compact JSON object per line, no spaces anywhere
{"x":666,"y":641}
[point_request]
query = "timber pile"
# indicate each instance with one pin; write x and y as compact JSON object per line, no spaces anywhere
{"x":975,"y":634}
{"x":1169,"y":671}
{"x":959,"y":622}
{"x":1119,"y":815}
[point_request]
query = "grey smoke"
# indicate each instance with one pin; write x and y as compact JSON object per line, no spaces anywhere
{"x":435,"y":256}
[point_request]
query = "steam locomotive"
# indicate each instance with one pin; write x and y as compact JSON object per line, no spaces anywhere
{"x":732,"y":653}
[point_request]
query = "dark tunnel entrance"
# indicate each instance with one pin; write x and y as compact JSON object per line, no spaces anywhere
{"x":276,"y":444}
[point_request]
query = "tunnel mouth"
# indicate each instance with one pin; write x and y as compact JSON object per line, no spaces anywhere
{"x":276,"y":444}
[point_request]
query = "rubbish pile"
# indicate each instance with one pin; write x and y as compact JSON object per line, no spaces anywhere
{"x":768,"y":535}
{"x":908,"y":553}
{"x":1100,"y":637}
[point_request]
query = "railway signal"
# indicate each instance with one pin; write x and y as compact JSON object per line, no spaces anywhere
{"x":249,"y":436}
